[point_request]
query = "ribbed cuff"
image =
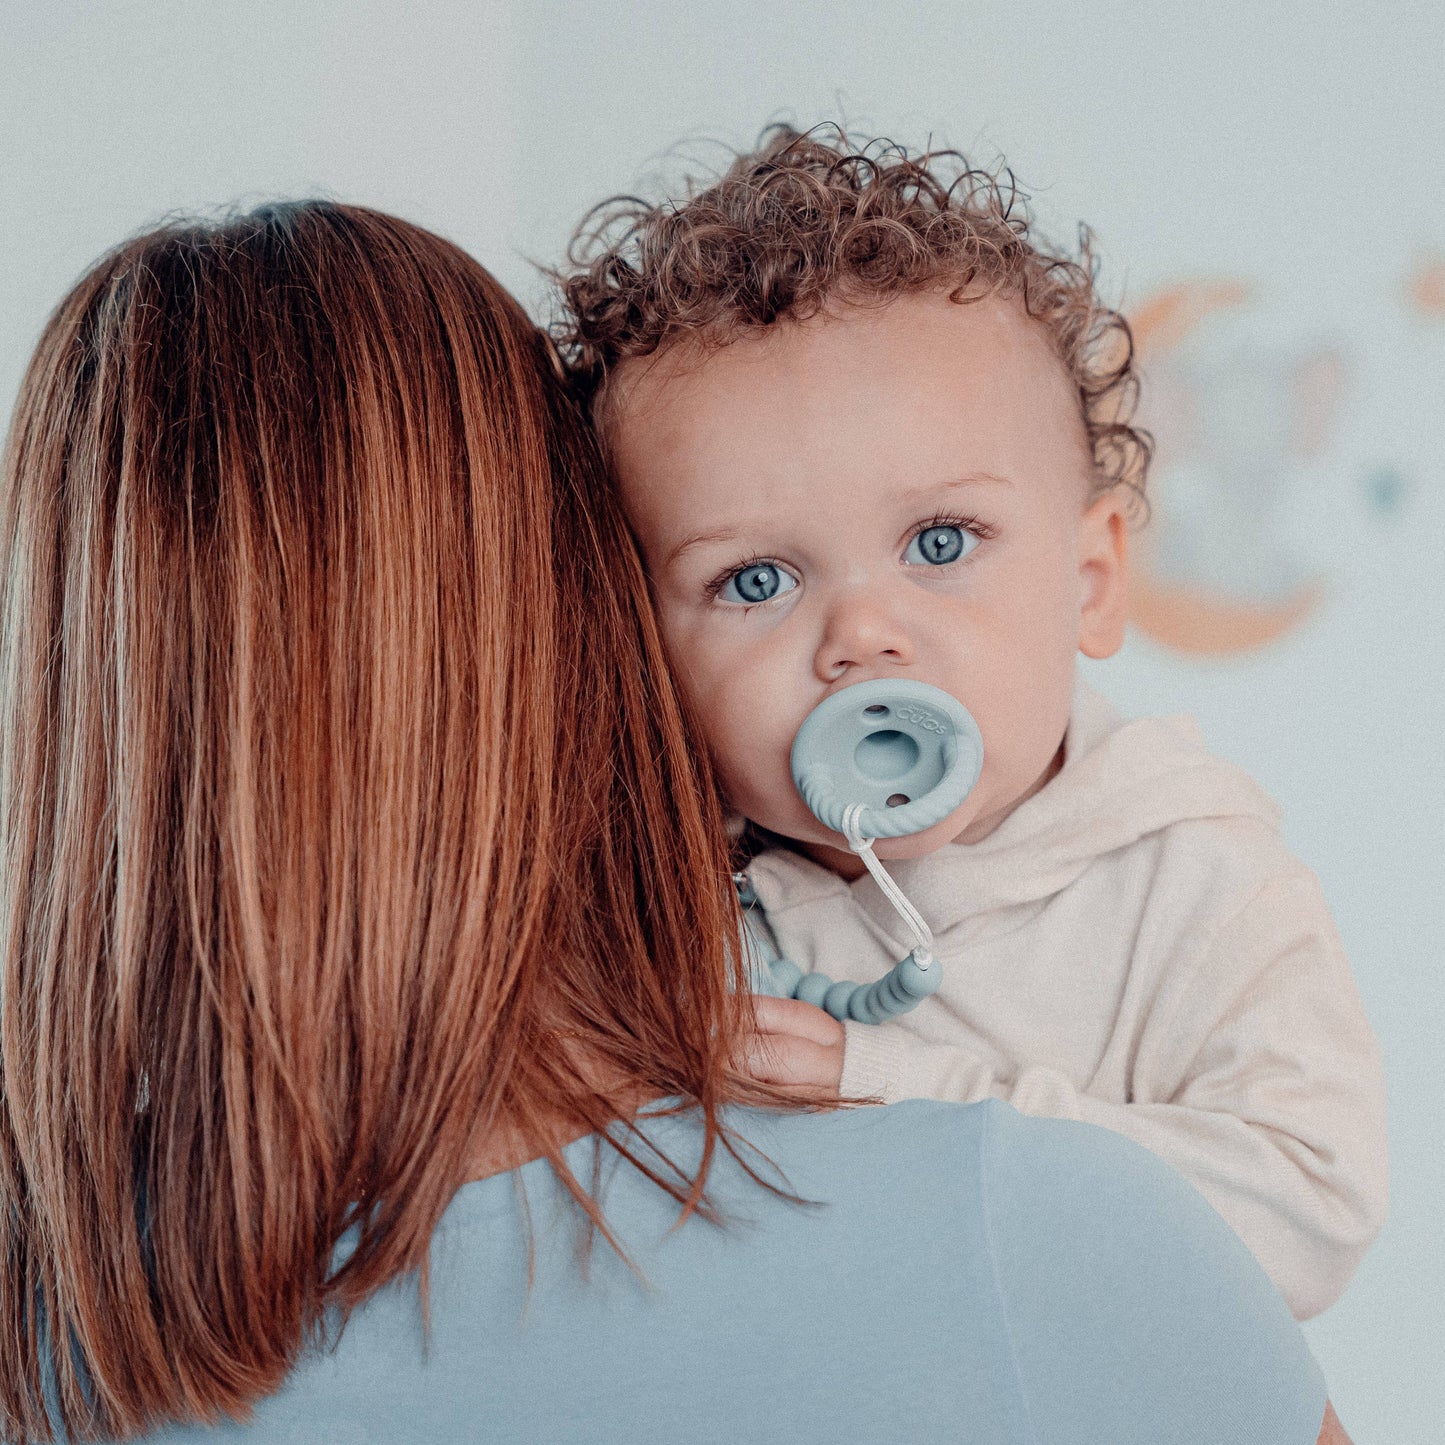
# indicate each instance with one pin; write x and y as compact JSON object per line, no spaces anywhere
{"x":872,"y":1061}
{"x":1044,"y":1093}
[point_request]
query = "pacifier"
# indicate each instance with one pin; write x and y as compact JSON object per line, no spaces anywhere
{"x":880,"y":759}
{"x":896,"y":755}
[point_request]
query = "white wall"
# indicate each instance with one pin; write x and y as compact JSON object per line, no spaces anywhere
{"x":114,"y":113}
{"x":1299,"y":148}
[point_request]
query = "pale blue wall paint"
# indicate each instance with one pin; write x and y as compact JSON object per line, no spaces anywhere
{"x":113,"y":115}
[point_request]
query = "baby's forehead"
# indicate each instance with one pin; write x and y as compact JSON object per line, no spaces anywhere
{"x":920,"y":384}
{"x":914,"y":338}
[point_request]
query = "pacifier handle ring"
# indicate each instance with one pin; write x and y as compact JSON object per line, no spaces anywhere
{"x":825,"y":771}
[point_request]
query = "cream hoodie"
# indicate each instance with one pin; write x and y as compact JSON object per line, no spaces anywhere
{"x":1134,"y":947}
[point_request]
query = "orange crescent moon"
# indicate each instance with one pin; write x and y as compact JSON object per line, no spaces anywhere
{"x":1427,"y":287}
{"x":1192,"y":619}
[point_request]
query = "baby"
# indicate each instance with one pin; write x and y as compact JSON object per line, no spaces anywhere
{"x":867,"y":426}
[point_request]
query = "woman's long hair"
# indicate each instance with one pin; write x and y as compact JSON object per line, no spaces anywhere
{"x":343,"y":800}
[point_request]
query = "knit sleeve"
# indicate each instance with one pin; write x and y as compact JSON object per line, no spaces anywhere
{"x":1265,"y":1088}
{"x":1261,"y":1082}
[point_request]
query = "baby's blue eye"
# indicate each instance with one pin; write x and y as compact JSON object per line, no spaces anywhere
{"x":940,"y":545}
{"x":760,"y":582}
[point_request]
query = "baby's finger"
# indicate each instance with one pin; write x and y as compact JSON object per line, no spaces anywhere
{"x":791,"y":1061}
{"x":793,"y":1016}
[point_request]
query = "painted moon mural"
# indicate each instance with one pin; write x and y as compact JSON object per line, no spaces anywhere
{"x":1427,"y":287}
{"x":1212,"y":574}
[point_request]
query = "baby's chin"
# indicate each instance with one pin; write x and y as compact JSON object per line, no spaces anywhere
{"x":832,"y":852}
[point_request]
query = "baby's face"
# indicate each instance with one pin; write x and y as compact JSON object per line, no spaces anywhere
{"x":892,"y":492}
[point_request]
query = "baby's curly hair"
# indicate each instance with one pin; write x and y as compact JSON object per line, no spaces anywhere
{"x":812,"y":218}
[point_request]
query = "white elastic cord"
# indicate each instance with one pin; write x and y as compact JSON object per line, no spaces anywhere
{"x":863,"y":847}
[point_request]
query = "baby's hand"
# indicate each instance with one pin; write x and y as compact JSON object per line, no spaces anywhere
{"x":796,"y":1044}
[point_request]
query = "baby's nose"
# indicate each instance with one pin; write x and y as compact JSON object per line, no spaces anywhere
{"x":861,"y":634}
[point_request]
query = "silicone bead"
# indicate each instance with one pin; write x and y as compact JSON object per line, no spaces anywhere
{"x":786,"y":974}
{"x":901,"y":998}
{"x":813,"y":988}
{"x":836,"y":1000}
{"x":876,"y":1007}
{"x":859,"y":1008}
{"x":892,"y":993}
{"x":919,"y":983}
{"x":891,"y":1000}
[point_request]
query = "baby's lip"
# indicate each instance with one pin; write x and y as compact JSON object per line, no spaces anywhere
{"x":898,"y":675}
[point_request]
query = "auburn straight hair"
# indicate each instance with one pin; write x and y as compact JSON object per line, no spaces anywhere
{"x":344,"y":805}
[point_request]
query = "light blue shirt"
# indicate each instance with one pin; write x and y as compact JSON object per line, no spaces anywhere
{"x":962,"y":1273}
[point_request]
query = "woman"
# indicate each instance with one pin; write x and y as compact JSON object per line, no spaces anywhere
{"x":354,"y":851}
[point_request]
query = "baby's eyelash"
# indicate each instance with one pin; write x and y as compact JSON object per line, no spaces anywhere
{"x":980,"y":529}
{"x":712,"y":588}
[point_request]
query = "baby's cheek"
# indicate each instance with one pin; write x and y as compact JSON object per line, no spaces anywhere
{"x":751,"y":747}
{"x":676,"y":627}
{"x":1026,"y":740}
{"x":746,"y":715}
{"x":696,"y":668}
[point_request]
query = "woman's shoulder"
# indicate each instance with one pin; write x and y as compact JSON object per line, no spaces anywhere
{"x":923,"y":1156}
{"x":1096,"y":1262}
{"x":924,"y":1271}
{"x":1111,"y":1266}
{"x":969,"y":1142}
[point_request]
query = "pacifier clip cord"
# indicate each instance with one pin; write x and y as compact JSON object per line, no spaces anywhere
{"x":922,"y":953}
{"x":912,"y":979}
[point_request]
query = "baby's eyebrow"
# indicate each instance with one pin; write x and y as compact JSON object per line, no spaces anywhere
{"x":912,"y":494}
{"x":968,"y":479}
{"x":697,"y":539}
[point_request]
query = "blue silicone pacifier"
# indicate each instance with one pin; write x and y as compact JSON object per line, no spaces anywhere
{"x":903,"y":753}
{"x":880,"y":759}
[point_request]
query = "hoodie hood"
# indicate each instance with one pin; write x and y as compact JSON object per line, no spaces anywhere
{"x":1120,"y":782}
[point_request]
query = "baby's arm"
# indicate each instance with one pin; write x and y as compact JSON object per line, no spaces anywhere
{"x":1256,"y":1076}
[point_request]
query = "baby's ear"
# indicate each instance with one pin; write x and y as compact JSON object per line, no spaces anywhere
{"x":1103,"y":575}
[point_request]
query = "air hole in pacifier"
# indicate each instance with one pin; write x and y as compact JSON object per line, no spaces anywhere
{"x":897,"y":800}
{"x":887,"y":753}
{"x":875,"y":709}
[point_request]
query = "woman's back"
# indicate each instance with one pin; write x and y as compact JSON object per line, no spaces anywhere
{"x":966,"y":1274}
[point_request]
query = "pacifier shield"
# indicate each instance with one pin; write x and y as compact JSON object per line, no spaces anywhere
{"x":908,"y":752}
